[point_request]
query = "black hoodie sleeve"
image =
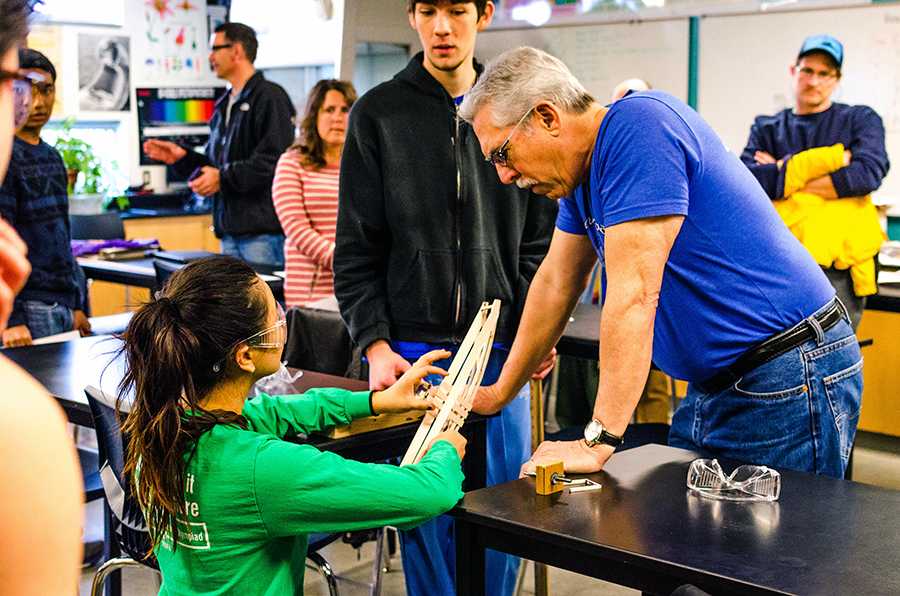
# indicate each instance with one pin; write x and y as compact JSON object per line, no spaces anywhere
{"x":539,"y":223}
{"x":191,"y":161}
{"x":362,"y":238}
{"x":869,"y":164}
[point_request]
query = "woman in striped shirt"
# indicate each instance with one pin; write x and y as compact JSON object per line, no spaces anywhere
{"x":305,"y":192}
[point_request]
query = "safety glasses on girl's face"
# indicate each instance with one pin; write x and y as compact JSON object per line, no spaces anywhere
{"x":270,"y":337}
{"x":22,"y":83}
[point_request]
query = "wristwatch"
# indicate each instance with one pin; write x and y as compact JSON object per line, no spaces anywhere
{"x":595,"y":434}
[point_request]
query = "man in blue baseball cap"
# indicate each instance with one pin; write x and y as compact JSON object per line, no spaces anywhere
{"x":818,"y":162}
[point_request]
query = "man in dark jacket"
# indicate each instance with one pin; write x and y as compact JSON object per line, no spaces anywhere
{"x":252,"y":126}
{"x":426,"y":232}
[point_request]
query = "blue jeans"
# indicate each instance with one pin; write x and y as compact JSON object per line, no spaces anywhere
{"x":44,"y":319}
{"x":263,"y":249}
{"x":798,"y":411}
{"x":429,"y":551}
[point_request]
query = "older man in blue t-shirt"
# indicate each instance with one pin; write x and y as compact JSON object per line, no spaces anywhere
{"x":702,"y":275}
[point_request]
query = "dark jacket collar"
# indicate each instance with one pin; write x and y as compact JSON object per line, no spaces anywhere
{"x":416,"y":75}
{"x":251,"y":83}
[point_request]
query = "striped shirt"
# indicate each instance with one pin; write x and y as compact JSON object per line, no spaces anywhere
{"x":306,"y":202}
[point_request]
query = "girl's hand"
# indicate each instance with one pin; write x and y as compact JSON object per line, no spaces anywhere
{"x":454,"y":438}
{"x":401,"y":396}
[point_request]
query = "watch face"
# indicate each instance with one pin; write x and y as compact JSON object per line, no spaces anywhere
{"x":594,"y":434}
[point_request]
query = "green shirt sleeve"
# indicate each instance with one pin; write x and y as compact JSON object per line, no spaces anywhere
{"x":300,"y":489}
{"x":311,"y":411}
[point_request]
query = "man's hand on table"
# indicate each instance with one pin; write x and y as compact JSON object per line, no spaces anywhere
{"x":576,"y":456}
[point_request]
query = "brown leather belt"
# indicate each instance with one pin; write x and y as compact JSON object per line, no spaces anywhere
{"x":773,"y":347}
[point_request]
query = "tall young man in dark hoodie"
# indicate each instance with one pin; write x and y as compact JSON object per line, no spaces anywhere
{"x":422,"y":240}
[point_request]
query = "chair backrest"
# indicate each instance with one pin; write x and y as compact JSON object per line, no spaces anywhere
{"x":100,"y":226}
{"x":164,"y":270}
{"x":318,"y":340}
{"x":127,"y":520}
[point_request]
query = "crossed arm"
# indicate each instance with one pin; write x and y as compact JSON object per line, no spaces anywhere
{"x":821,"y":186}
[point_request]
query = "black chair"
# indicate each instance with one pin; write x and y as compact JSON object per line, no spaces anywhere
{"x":93,"y":490}
{"x":316,"y":542}
{"x":90,"y":473}
{"x":100,"y":226}
{"x":318,"y":340}
{"x":126,"y":530}
{"x":164,"y":270}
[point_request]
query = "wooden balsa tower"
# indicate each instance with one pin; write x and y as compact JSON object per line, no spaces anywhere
{"x":457,"y":389}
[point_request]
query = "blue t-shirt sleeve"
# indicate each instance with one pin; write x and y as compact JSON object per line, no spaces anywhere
{"x":568,"y":219}
{"x":648,"y":158}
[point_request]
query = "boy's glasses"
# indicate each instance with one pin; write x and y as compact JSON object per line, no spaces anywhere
{"x":22,"y":83}
{"x":746,"y":483}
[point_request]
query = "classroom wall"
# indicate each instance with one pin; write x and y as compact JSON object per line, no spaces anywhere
{"x":375,"y":21}
{"x":733,"y":88}
{"x":603,"y":55}
{"x":737,"y":85}
{"x":152,"y":40}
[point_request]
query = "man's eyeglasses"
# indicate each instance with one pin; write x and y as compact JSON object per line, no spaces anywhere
{"x":824,"y":75}
{"x":221,"y":46}
{"x":22,"y":83}
{"x":500,"y":155}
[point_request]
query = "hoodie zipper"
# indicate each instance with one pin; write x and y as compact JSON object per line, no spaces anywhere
{"x":458,"y":218}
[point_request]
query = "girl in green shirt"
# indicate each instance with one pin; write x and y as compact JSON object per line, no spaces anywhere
{"x":229,"y":503}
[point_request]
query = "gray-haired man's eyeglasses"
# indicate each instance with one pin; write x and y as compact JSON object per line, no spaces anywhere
{"x":500,"y":155}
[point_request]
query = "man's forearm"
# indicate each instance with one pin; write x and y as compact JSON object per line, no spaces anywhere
{"x":544,"y":318}
{"x":626,"y":347}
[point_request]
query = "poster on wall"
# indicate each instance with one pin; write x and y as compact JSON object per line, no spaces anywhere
{"x":174,"y":45}
{"x":104,"y":72}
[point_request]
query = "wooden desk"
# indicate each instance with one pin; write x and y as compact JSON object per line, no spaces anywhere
{"x":645,"y":530}
{"x":65,"y":368}
{"x":184,"y":231}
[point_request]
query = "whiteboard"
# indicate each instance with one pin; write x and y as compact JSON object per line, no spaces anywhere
{"x":744,"y":62}
{"x":602,"y":56}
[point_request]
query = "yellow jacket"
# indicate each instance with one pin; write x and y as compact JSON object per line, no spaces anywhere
{"x":843,"y":233}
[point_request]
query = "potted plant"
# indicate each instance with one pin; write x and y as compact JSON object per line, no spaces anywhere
{"x":80,"y":160}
